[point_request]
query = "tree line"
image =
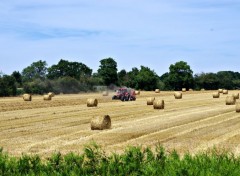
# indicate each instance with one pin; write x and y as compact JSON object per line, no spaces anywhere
{"x":74,"y":77}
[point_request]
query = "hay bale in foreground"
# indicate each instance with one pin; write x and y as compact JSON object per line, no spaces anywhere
{"x":47,"y":97}
{"x":220,"y":90}
{"x":51,"y":94}
{"x":157,"y":90}
{"x":230,"y":100}
{"x":158,"y":104}
{"x":105,"y":93}
{"x":225,"y":91}
{"x":27,"y":97}
{"x":178,"y":95}
{"x":101,"y":122}
{"x":184,"y":89}
{"x":216,"y":95}
{"x":238,"y":107}
{"x":92,"y":102}
{"x":137,"y":92}
{"x":150,"y":100}
{"x":236,"y":95}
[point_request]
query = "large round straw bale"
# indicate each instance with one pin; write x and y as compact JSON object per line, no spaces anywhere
{"x":91,"y":102}
{"x":230,"y":100}
{"x":236,"y":95}
{"x":137,"y":92}
{"x":178,"y":95}
{"x":47,"y":97}
{"x":51,"y":94}
{"x":190,"y":90}
{"x":216,"y":95}
{"x":157,"y":91}
{"x":150,"y":100}
{"x":220,"y":90}
{"x":184,"y":89}
{"x":202,"y":89}
{"x":105,"y":93}
{"x":27,"y":97}
{"x":101,"y":122}
{"x":225,"y":91}
{"x":158,"y":104}
{"x":238,"y":107}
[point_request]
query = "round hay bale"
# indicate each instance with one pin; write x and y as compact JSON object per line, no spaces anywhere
{"x":51,"y":94}
{"x":157,"y":91}
{"x":216,"y":95}
{"x":101,"y":122}
{"x":150,"y":100}
{"x":230,"y":100}
{"x":27,"y":97}
{"x":47,"y":97}
{"x":158,"y":104}
{"x":220,"y":90}
{"x":184,"y":89}
{"x":137,"y":92}
{"x":238,"y":107}
{"x":92,"y":102}
{"x":178,"y":95}
{"x":225,"y":91}
{"x":105,"y":93}
{"x":190,"y":90}
{"x":202,"y":89}
{"x":236,"y":95}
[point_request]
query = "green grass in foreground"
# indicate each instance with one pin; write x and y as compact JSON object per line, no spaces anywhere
{"x":134,"y":161}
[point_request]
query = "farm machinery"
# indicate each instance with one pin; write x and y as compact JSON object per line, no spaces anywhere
{"x":125,"y":94}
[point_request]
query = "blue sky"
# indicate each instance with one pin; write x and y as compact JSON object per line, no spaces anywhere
{"x":153,"y":33}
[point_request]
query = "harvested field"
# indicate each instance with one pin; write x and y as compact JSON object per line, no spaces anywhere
{"x":195,"y":123}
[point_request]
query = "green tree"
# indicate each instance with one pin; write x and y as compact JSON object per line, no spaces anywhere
{"x":108,"y":71}
{"x":180,"y":75}
{"x":7,"y":86}
{"x":18,"y":77}
{"x":123,"y":77}
{"x":132,"y":79}
{"x":64,"y":68}
{"x":37,"y":70}
{"x":146,"y":79}
{"x":226,"y":79}
{"x":208,"y":81}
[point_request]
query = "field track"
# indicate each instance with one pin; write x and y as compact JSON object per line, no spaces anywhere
{"x":192,"y":124}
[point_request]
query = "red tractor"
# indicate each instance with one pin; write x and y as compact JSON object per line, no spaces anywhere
{"x":125,"y":94}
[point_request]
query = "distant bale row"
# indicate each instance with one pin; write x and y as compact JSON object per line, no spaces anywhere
{"x":105,"y":93}
{"x":236,"y":95}
{"x":225,"y":91}
{"x":137,"y":92}
{"x":178,"y":95}
{"x":238,"y":107}
{"x":28,"y":97}
{"x":216,"y":95}
{"x":230,"y":100}
{"x":101,"y":122}
{"x":150,"y":100}
{"x":158,"y":104}
{"x":92,"y":102}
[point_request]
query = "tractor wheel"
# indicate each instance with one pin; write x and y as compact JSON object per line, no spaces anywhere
{"x":122,"y":98}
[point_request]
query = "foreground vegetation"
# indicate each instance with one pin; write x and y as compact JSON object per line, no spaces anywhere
{"x":134,"y":161}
